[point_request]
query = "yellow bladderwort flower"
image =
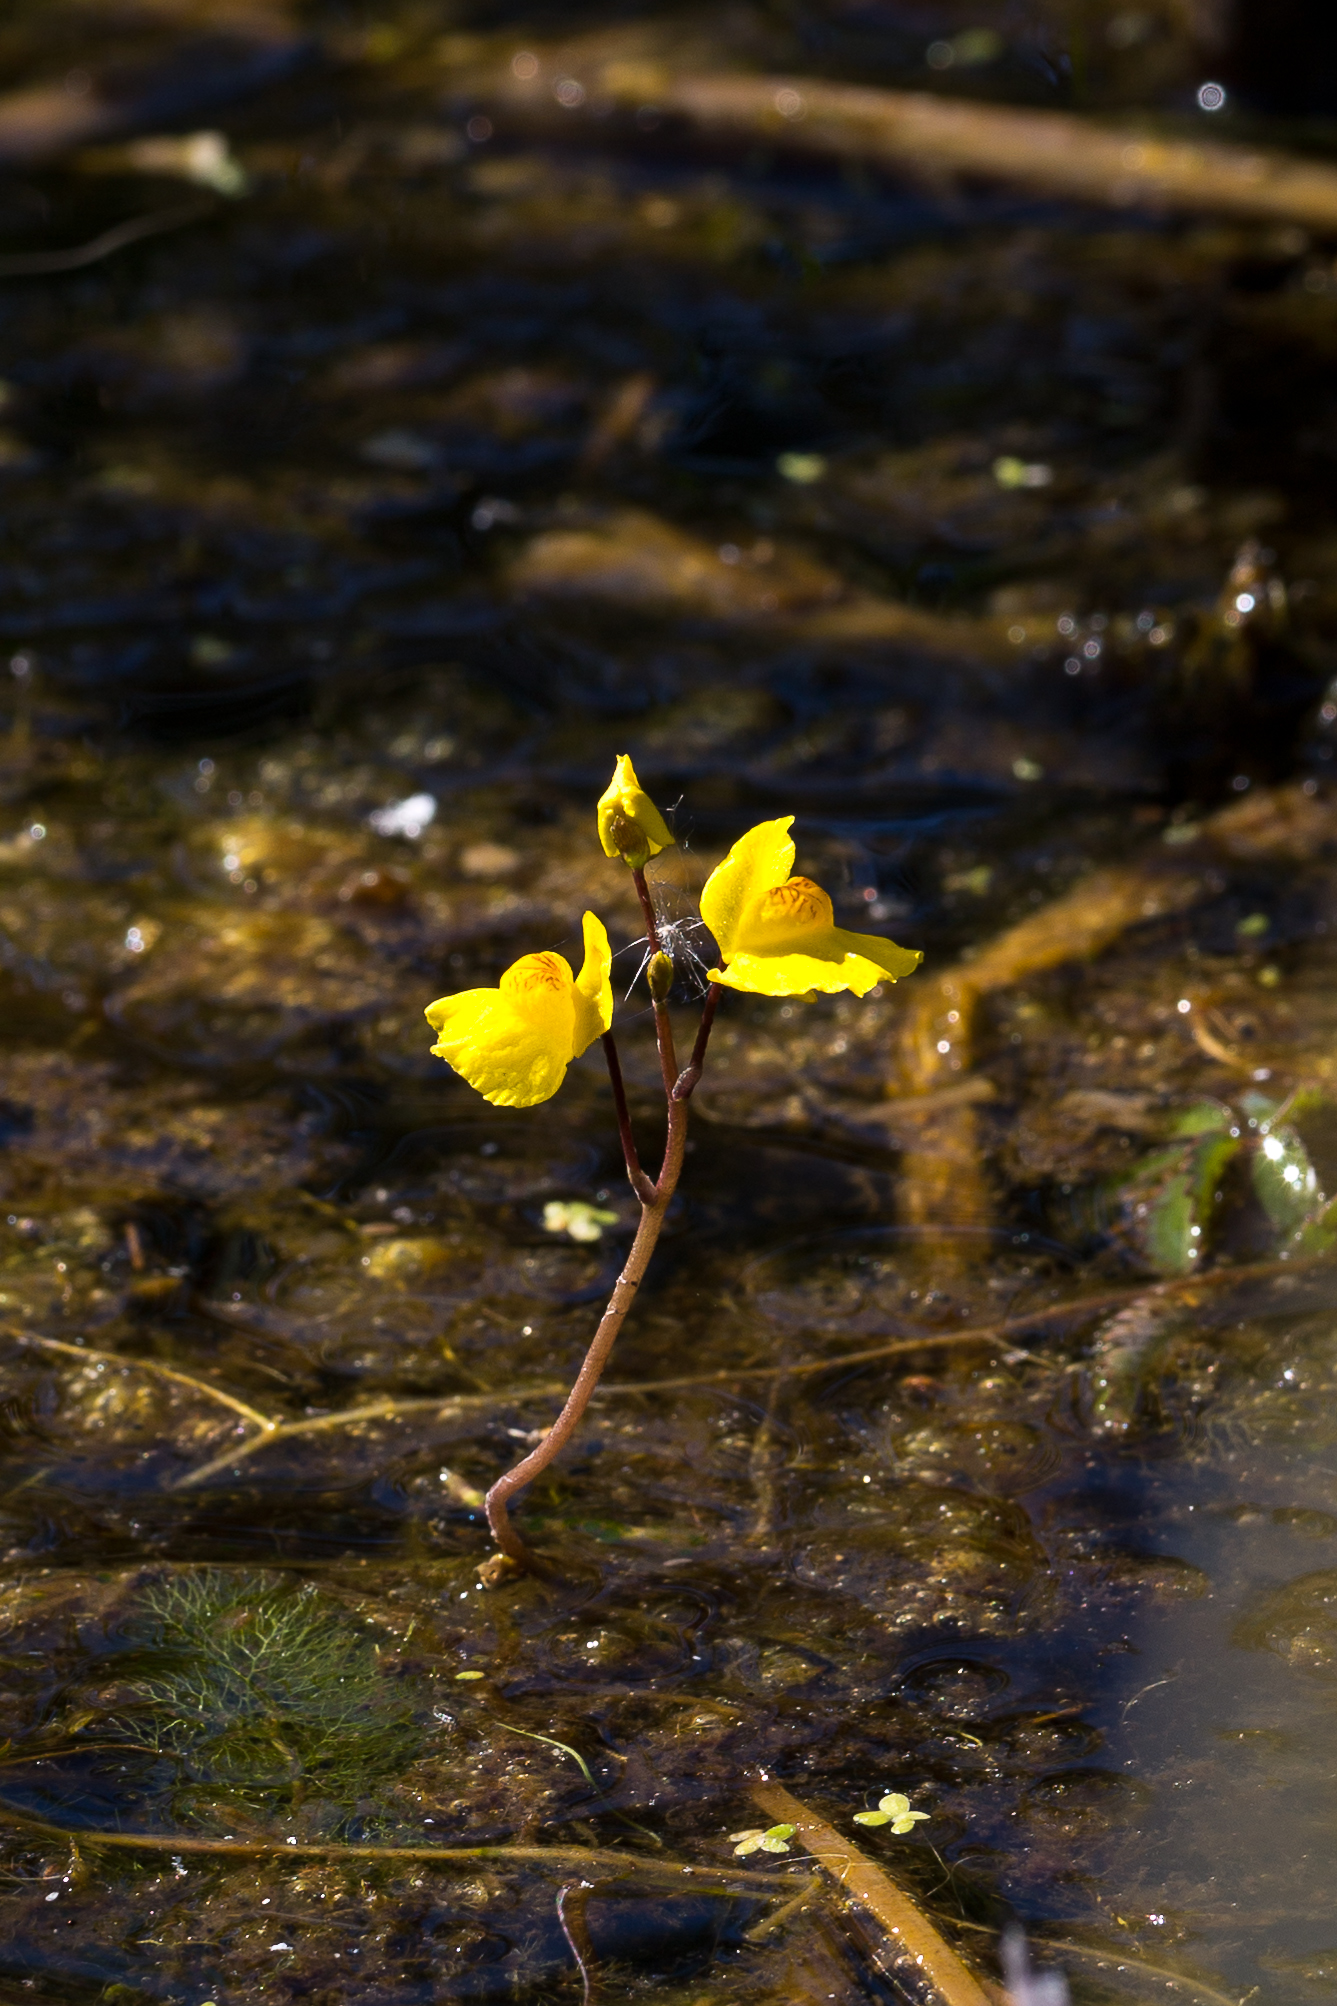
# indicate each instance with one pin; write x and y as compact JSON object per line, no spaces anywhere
{"x":515,"y":1042}
{"x":777,"y":934}
{"x":630,"y":825}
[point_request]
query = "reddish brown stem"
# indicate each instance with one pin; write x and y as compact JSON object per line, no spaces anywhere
{"x":591,"y":1371}
{"x":668,"y":1058}
{"x":655,"y":1199}
{"x":640,"y":1183}
{"x":651,"y":917}
{"x":689,"y":1078}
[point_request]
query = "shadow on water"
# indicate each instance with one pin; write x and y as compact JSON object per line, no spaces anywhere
{"x":972,"y":1437}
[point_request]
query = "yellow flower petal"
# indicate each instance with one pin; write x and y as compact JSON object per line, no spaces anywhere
{"x":798,"y":974}
{"x":630,"y":825}
{"x":594,"y":992}
{"x":514,"y":1055}
{"x":888,"y":958}
{"x":758,"y":861}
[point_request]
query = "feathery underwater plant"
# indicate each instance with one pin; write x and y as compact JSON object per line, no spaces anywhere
{"x":249,"y":1683}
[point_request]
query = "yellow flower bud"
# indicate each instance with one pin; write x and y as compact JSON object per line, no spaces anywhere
{"x":659,"y":975}
{"x":630,"y":825}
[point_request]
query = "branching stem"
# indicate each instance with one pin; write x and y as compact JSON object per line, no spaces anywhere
{"x":640,"y":1183}
{"x":686,"y":1083}
{"x":655,"y":1200}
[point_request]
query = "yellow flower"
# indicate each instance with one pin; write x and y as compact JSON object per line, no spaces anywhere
{"x":630,"y":825}
{"x":515,"y":1042}
{"x":777,"y":935}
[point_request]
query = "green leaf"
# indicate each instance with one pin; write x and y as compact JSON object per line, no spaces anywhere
{"x":1285,"y":1180}
{"x":1169,"y":1200}
{"x":1203,"y":1118}
{"x":1319,"y":1234}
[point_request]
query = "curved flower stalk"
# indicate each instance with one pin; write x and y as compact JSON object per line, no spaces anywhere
{"x":513,"y":1044}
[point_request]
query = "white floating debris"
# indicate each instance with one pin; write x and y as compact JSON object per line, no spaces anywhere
{"x":203,"y":157}
{"x":404,"y":818}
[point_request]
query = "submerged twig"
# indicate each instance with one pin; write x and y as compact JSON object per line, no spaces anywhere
{"x":84,"y":1352}
{"x":780,"y":1916}
{"x":374,"y":1410}
{"x":271,"y":1432}
{"x":1054,"y":152}
{"x":1119,"y":1959}
{"x":242,"y":53}
{"x":36,"y":264}
{"x":763,"y":1467}
{"x":572,"y":1902}
{"x":1005,"y":1332}
{"x":565,"y":1858}
{"x":915,"y":1940}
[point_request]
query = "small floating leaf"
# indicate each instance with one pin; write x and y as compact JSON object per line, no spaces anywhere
{"x":576,"y":1219}
{"x":894,"y":1810}
{"x":772,"y":1839}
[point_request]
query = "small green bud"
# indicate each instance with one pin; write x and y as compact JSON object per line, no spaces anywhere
{"x":660,"y":976}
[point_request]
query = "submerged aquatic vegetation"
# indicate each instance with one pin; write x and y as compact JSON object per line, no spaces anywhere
{"x":1179,"y":1201}
{"x":251,"y":1683}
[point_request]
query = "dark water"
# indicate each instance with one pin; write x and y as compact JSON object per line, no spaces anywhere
{"x":454,"y":466}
